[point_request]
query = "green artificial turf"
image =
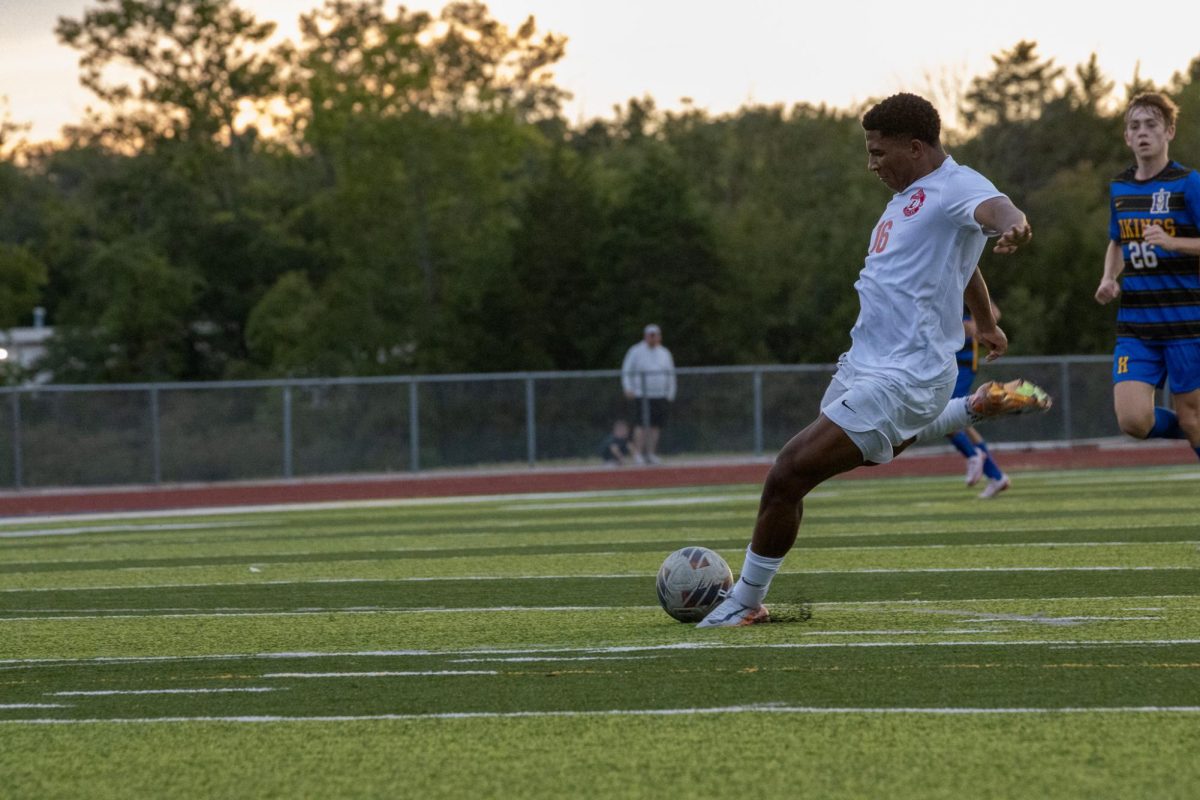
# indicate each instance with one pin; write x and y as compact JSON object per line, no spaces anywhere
{"x":926,"y":645}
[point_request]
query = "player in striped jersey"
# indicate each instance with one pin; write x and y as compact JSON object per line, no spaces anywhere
{"x":1154,"y":233}
{"x":969,"y":441}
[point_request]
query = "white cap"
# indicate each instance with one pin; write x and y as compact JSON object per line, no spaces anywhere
{"x":652,"y":328}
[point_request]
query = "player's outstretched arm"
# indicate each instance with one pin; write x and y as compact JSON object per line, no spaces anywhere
{"x":999,"y":215}
{"x":1114,"y":263}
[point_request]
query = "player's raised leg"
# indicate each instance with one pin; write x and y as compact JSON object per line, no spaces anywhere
{"x":992,"y":399}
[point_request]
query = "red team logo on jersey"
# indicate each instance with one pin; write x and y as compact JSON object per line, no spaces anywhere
{"x":914,"y":203}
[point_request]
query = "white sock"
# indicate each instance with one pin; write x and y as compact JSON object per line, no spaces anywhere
{"x":954,"y":417}
{"x":757,"y":572}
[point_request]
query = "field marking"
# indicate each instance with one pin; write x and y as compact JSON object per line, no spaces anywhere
{"x":55,"y":615}
{"x":317,"y":611}
{"x":100,"y":613}
{"x":108,"y":692}
{"x":272,"y":560}
{"x":521,"y":659}
{"x":340,"y":505}
{"x":381,"y":674}
{"x":177,"y":526}
{"x":266,"y":558}
{"x":607,"y":576}
{"x":32,"y":705}
{"x":649,"y":502}
{"x":629,"y":712}
{"x":10,"y":663}
{"x":1040,"y":619}
{"x":1048,"y":478}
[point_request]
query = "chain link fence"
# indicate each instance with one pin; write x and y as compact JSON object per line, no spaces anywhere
{"x":223,"y":431}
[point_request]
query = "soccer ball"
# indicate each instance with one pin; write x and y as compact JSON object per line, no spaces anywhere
{"x":691,"y":582}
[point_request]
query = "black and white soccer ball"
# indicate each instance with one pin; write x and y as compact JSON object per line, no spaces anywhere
{"x":691,"y":582}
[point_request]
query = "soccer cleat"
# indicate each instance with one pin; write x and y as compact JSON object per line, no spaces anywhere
{"x":732,"y":614}
{"x":994,"y":399}
{"x":994,"y":487}
{"x":975,"y":467}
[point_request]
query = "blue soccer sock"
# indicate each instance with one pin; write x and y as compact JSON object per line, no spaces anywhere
{"x":962,"y":443}
{"x":1166,"y":425}
{"x":1197,"y":449}
{"x":990,"y":467}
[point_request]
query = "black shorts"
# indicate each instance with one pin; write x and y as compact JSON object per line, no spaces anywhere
{"x":659,"y":408}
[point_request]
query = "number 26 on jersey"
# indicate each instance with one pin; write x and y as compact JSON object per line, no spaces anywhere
{"x":1142,"y":255}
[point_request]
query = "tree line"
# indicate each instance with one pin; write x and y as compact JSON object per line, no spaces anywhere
{"x":400,"y":192}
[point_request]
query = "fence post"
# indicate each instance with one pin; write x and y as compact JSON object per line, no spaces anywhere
{"x":414,"y":428}
{"x":18,"y":464}
{"x":758,"y":412}
{"x":1065,"y":399}
{"x":155,"y":438}
{"x":287,"y":431}
{"x":530,"y":422}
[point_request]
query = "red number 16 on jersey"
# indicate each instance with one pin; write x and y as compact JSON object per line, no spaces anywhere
{"x":881,"y":237}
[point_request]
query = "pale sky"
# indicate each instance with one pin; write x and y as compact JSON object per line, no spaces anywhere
{"x":721,"y":53}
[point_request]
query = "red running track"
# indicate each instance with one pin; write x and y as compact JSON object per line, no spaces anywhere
{"x":176,"y":497}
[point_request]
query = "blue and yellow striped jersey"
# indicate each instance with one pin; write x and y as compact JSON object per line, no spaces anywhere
{"x":1160,"y":289}
{"x":968,"y":356}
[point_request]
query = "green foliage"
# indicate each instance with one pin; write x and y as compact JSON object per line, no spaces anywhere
{"x":198,"y":61}
{"x":129,"y":318}
{"x":1017,"y":89}
{"x":421,"y":205}
{"x":22,"y":276}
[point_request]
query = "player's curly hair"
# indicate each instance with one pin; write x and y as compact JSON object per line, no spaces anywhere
{"x":1156,"y":101}
{"x":905,"y":115}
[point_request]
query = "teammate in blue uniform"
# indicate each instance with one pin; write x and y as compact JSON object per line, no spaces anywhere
{"x":1154,"y":233}
{"x":968,"y":441}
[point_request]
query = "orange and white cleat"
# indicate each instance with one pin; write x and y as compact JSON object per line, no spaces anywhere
{"x":732,"y":614}
{"x":994,"y":399}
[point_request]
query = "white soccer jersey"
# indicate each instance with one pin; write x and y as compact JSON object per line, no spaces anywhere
{"x":919,"y":259}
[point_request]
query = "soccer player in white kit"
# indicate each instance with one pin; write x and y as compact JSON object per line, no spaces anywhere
{"x":896,"y":380}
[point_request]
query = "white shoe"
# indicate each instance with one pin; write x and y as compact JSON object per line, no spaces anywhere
{"x":732,"y":614}
{"x":637,"y":459}
{"x":975,"y":467}
{"x":994,"y":487}
{"x":653,"y":459}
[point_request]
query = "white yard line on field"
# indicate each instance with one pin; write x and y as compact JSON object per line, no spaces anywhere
{"x":626,"y":712}
{"x":608,"y":576}
{"x":177,"y":526}
{"x":381,"y":674}
{"x":108,"y":692}
{"x":608,"y":650}
{"x":347,"y":505}
{"x":649,"y":502}
{"x":308,"y":612}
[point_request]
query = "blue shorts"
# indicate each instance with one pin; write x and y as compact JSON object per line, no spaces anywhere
{"x":1154,"y":362}
{"x":966,"y":376}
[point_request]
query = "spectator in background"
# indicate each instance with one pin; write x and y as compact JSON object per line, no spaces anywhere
{"x":648,"y":378}
{"x":617,"y":448}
